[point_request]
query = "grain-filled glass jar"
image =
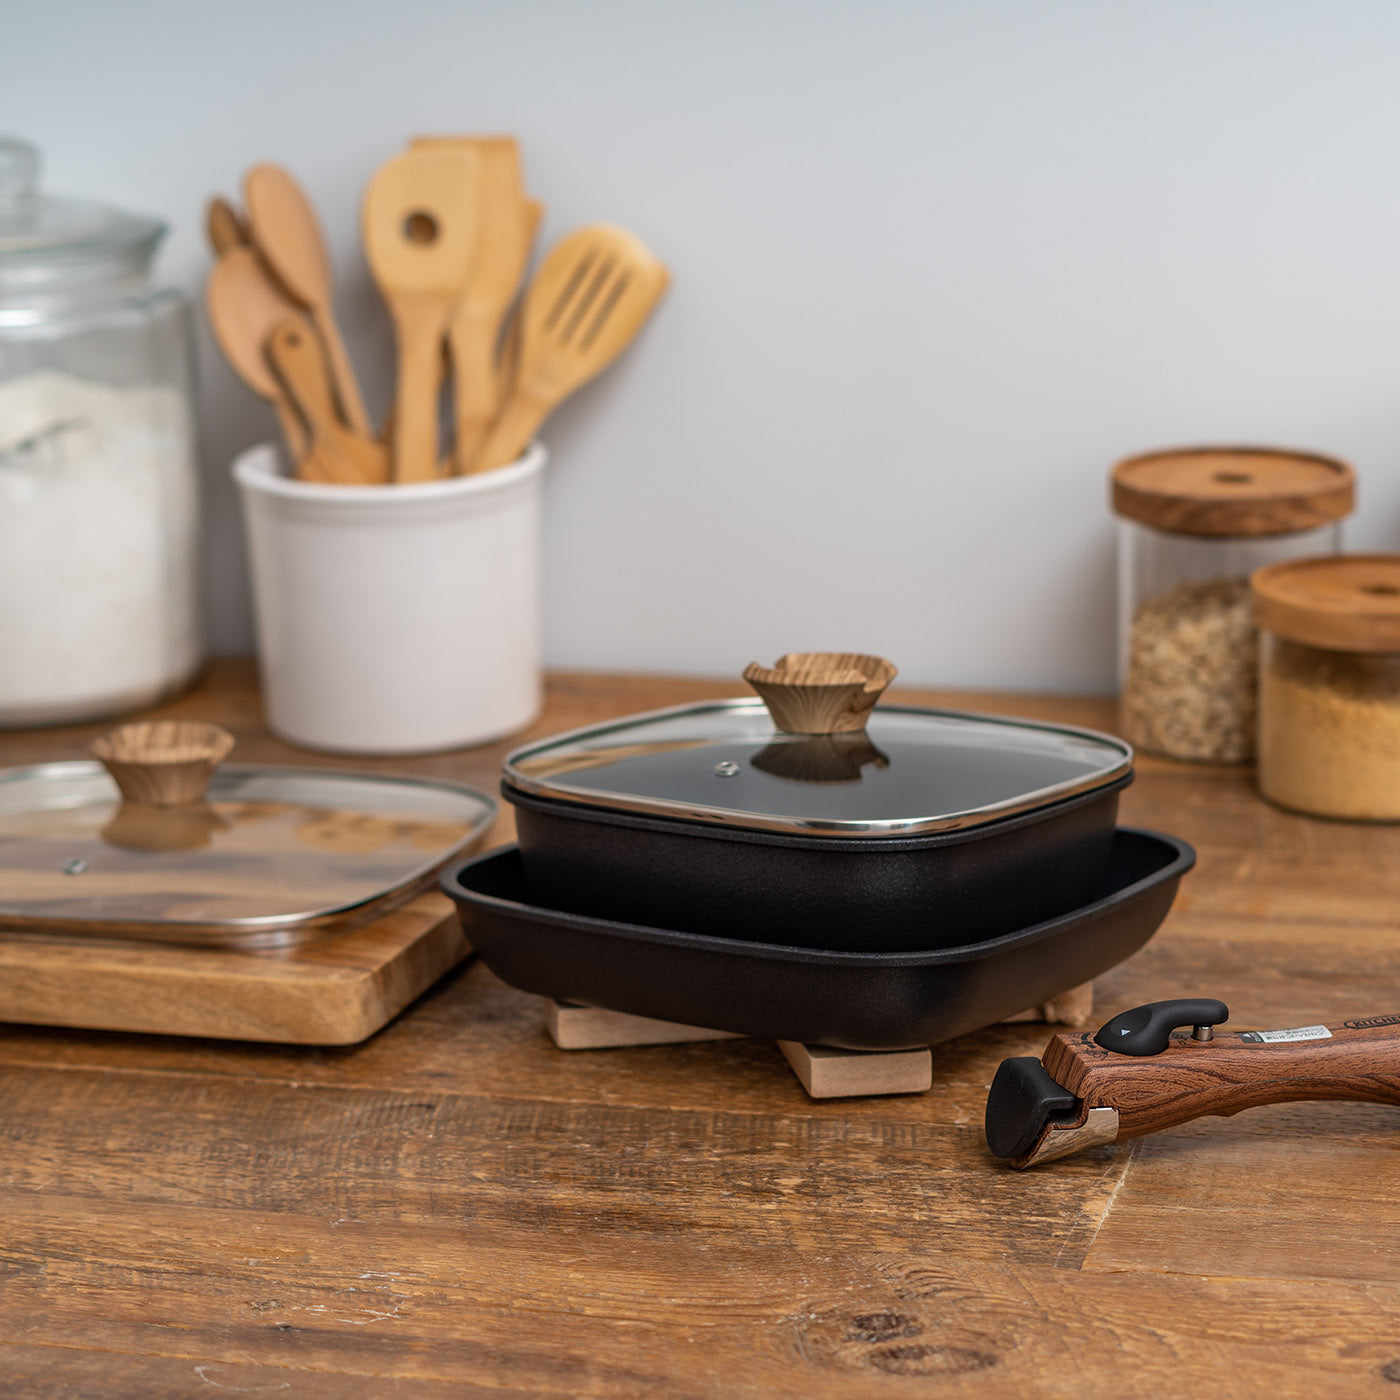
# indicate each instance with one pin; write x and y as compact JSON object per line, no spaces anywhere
{"x":99,"y":501}
{"x":1195,"y":523}
{"x":1329,"y":685}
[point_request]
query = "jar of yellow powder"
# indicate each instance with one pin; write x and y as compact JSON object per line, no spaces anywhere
{"x":1329,"y":685}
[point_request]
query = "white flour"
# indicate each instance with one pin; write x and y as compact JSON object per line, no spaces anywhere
{"x":98,"y":533}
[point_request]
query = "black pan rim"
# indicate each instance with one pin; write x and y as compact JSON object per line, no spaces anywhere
{"x":807,"y":840}
{"x":1181,"y":862}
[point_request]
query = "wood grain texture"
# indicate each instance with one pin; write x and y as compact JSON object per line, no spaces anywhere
{"x":336,"y":991}
{"x":455,"y":1207}
{"x":1233,"y":491}
{"x":1225,"y":1075}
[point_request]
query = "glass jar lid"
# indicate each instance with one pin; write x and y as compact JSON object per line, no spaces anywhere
{"x":1337,"y":602}
{"x":50,"y":244}
{"x":1233,"y":491}
{"x":907,"y":772}
{"x":267,"y":854}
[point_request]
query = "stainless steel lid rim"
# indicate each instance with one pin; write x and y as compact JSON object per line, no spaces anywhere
{"x":815,"y":836}
{"x":748,"y":720}
{"x":1183,"y":858}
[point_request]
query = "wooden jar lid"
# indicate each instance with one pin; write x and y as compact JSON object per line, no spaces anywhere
{"x":1340,"y":602}
{"x":1233,"y":490}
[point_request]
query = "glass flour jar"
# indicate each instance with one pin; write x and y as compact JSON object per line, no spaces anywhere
{"x":1194,"y":525}
{"x":99,"y":510}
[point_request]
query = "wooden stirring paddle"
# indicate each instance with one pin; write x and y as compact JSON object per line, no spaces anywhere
{"x":420,"y":221}
{"x":336,"y":453}
{"x":244,"y":306}
{"x":224,"y":226}
{"x":586,"y":304}
{"x":505,"y":236}
{"x":288,"y":234}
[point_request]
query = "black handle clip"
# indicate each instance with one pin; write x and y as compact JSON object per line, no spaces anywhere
{"x":1146,"y":1030}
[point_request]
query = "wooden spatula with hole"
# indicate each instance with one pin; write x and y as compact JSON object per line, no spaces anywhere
{"x":288,"y":234}
{"x":336,"y":453}
{"x":505,"y":236}
{"x":244,"y":306}
{"x":590,"y":297}
{"x":420,"y":217}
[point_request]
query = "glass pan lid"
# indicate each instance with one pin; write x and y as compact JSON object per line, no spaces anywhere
{"x":270,"y":849}
{"x":910,"y":771}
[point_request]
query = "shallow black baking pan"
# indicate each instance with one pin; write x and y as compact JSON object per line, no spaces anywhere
{"x":856,"y":1000}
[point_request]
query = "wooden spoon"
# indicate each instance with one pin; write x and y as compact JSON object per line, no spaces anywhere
{"x":244,"y":305}
{"x":590,"y":297}
{"x":505,"y":236}
{"x":288,"y":233}
{"x":420,"y":220}
{"x":337,"y":454}
{"x":225,"y":227}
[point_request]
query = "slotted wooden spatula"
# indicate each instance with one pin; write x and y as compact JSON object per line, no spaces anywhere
{"x":336,"y":453}
{"x":505,"y":235}
{"x":590,"y":297}
{"x":244,"y":306}
{"x":420,"y":219}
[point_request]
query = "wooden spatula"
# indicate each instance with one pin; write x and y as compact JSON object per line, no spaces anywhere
{"x":288,"y":234}
{"x":586,"y":304}
{"x":336,"y":453}
{"x":224,"y":226}
{"x":244,"y":305}
{"x":505,"y":236}
{"x":420,"y":221}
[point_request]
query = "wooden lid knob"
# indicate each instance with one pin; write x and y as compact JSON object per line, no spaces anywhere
{"x":163,"y":763}
{"x":821,"y":692}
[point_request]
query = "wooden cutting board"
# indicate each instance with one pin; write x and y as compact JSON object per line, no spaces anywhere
{"x":336,"y":990}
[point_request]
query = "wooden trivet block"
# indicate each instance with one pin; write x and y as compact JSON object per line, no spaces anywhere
{"x":827,"y":1073}
{"x":573,"y":1027}
{"x":336,"y":990}
{"x":1072,"y":1008}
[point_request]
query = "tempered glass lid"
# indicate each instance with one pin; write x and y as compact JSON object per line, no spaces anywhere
{"x":268,"y":849}
{"x":908,"y":771}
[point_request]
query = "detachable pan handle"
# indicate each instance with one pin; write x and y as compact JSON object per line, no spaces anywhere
{"x":1116,"y":1096}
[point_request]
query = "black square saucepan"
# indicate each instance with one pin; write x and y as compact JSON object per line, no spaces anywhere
{"x":899,"y":828}
{"x":855,"y":1000}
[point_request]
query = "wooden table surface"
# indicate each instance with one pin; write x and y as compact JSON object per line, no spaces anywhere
{"x":456,"y":1208}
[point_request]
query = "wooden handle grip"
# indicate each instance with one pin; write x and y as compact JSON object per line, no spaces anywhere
{"x":1357,"y":1060}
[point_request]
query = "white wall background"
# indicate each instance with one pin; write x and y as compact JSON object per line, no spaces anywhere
{"x":938,"y":263}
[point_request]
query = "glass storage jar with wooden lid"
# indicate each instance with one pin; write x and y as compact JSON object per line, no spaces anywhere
{"x":1329,"y":685}
{"x":1195,"y":523}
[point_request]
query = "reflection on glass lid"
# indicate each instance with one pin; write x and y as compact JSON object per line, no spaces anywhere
{"x":267,"y":848}
{"x":909,"y":770}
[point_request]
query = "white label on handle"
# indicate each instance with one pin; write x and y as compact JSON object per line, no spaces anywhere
{"x":1297,"y":1033}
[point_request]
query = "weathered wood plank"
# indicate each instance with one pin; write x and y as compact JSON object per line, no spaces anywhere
{"x":456,"y":1207}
